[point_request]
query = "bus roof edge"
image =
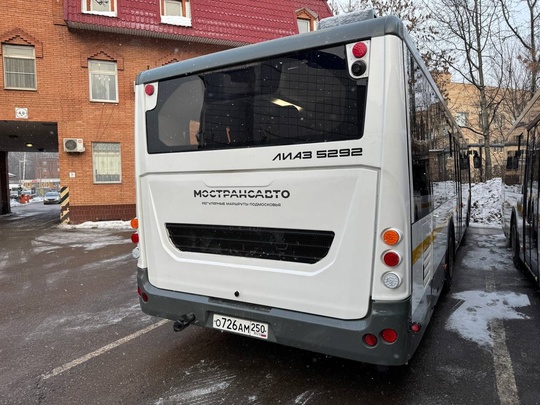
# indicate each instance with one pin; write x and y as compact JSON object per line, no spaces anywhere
{"x":348,"y":18}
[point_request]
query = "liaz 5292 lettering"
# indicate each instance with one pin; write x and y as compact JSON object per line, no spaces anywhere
{"x":352,"y":259}
{"x":319,"y":154}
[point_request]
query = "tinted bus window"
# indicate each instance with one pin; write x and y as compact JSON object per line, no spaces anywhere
{"x":304,"y":97}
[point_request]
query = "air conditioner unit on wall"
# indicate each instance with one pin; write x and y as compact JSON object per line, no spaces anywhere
{"x":73,"y":145}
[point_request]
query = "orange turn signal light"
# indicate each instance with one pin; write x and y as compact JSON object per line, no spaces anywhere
{"x":391,"y":237}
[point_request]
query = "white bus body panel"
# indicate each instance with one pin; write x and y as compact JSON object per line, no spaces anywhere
{"x":341,"y":201}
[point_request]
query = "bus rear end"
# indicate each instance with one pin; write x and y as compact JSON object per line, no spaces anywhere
{"x":273,"y":193}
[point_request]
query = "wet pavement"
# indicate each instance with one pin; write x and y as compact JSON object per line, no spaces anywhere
{"x":72,"y":332}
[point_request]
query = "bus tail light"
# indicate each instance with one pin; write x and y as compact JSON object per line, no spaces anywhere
{"x":142,"y":294}
{"x":391,"y":280}
{"x":149,"y":89}
{"x":391,"y":236}
{"x":358,"y":59}
{"x":415,"y":327}
{"x":391,"y":258}
{"x":370,"y":339}
{"x":389,"y":335}
{"x":136,"y":253}
{"x":359,"y":50}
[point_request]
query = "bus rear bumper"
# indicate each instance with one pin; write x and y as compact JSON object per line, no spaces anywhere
{"x":330,"y":336}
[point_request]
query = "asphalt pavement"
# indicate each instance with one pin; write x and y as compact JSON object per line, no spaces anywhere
{"x":72,"y":333}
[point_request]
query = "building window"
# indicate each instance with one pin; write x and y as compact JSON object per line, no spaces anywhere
{"x":107,"y":163}
{"x":103,"y":7}
{"x":304,"y":25}
{"x":307,"y":20}
{"x":103,"y":81}
{"x":176,"y":12}
{"x":462,"y":118}
{"x":19,"y":67}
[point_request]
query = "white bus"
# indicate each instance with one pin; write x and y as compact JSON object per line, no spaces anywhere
{"x":309,"y":191}
{"x":520,"y":191}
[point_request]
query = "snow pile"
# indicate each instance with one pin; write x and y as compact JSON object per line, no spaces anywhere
{"x":99,"y":225}
{"x":486,"y":204}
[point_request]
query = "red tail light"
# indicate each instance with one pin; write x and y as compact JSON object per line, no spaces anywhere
{"x":370,"y":339}
{"x":389,"y":335}
{"x":142,"y":294}
{"x":359,"y":50}
{"x":149,"y":89}
{"x":391,"y":258}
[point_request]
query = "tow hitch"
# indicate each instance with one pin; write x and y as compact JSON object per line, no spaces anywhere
{"x":183,"y":322}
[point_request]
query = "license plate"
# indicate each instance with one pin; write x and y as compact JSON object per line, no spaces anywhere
{"x":241,"y":326}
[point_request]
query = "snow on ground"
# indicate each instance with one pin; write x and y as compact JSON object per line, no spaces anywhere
{"x":486,"y":204}
{"x":478,"y":310}
{"x":99,"y":224}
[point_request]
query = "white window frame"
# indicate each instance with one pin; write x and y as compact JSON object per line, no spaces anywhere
{"x":302,"y":28}
{"x":183,"y":19}
{"x":10,"y":52}
{"x":106,"y":162}
{"x":306,"y":20}
{"x":87,"y":7}
{"x":94,"y":72}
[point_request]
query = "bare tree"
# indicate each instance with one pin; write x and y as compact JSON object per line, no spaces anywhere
{"x":524,"y":24}
{"x":470,"y":35}
{"x":515,"y":80}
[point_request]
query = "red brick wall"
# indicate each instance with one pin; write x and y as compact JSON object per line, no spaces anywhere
{"x":62,"y":96}
{"x":120,"y":212}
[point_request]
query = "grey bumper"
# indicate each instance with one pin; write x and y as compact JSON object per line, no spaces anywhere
{"x":335,"y":337}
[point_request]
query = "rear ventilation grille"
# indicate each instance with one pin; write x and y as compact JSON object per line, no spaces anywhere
{"x":289,"y":245}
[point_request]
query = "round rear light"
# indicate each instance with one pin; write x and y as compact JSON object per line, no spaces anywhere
{"x":134,"y":223}
{"x":370,"y":339}
{"x":359,"y":50}
{"x":135,"y":238}
{"x":389,"y":335}
{"x":149,"y":89}
{"x":391,"y":237}
{"x":391,"y":280}
{"x":391,"y":258}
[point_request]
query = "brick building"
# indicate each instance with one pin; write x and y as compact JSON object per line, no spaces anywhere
{"x":463,"y":102}
{"x":68,"y":70}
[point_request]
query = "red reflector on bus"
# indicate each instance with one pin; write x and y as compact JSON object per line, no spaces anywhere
{"x":370,"y":339}
{"x":149,"y":89}
{"x":391,"y":258}
{"x":142,"y":294}
{"x":359,"y":50}
{"x":415,"y":327}
{"x":135,"y":238}
{"x":389,"y":335}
